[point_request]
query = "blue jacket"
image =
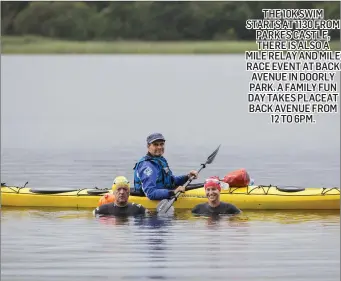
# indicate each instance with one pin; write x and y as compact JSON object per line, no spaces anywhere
{"x":153,"y":176}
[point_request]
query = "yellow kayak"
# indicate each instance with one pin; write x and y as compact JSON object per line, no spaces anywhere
{"x":245,"y":198}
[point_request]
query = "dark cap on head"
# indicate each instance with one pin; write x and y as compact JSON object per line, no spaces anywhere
{"x":155,"y":136}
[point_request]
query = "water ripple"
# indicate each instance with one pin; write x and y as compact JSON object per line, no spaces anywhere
{"x":74,"y":245}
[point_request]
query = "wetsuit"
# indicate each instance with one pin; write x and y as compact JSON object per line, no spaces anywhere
{"x":131,"y":209}
{"x":222,"y":209}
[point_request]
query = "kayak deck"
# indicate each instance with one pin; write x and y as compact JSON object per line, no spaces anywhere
{"x":277,"y":198}
{"x":245,"y":198}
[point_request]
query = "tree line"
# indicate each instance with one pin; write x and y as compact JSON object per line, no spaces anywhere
{"x":148,"y":21}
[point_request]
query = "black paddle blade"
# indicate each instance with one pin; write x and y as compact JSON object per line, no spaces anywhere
{"x":213,"y":155}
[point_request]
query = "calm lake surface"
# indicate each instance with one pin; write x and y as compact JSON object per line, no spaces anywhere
{"x":80,"y":121}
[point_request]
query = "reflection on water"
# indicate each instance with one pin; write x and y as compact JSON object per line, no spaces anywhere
{"x":278,"y":216}
{"x":73,"y":245}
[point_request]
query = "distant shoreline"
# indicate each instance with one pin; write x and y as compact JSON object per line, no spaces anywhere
{"x":41,"y":45}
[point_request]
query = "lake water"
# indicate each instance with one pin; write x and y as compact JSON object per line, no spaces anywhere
{"x":79,"y":121}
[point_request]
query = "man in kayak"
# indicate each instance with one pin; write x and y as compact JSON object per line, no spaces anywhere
{"x":152,"y":175}
{"x":214,"y":206}
{"x":120,"y":206}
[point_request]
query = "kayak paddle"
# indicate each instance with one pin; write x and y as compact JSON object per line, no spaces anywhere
{"x":166,"y":204}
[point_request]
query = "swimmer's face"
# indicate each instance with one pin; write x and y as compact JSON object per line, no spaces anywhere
{"x":122,"y":195}
{"x":212,"y":194}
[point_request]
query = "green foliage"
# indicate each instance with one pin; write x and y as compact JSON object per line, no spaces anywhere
{"x":145,"y":21}
{"x":9,"y":10}
{"x":68,"y":20}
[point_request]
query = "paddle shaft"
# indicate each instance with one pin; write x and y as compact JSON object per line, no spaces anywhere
{"x":187,"y":183}
{"x":172,"y":200}
{"x":166,"y":204}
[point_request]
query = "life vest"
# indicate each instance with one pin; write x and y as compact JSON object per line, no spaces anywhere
{"x":164,"y":177}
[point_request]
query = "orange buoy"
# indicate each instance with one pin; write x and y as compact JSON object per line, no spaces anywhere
{"x":105,"y":199}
